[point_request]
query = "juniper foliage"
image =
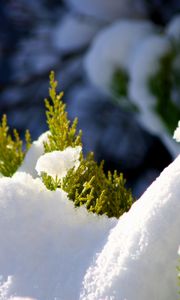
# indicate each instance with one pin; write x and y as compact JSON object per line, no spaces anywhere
{"x":62,"y":133}
{"x":11,"y":149}
{"x":88,"y":184}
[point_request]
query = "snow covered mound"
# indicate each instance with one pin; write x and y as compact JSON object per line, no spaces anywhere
{"x":46,"y":245}
{"x":50,"y":250}
{"x":139,"y":260}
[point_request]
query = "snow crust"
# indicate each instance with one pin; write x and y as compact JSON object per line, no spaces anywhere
{"x":113,"y":48}
{"x":46,"y":244}
{"x":57,"y":163}
{"x":139,"y":259}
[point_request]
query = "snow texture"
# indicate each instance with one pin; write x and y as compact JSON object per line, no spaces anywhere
{"x":73,"y":33}
{"x":46,"y":243}
{"x":58,"y":163}
{"x":108,"y":10}
{"x":113,"y":49}
{"x":36,"y":150}
{"x":52,"y":250}
{"x":139,"y":259}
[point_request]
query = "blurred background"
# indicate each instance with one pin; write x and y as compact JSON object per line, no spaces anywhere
{"x":81,"y":40}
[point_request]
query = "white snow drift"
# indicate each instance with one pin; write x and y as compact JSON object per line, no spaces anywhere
{"x":46,"y":244}
{"x":51,"y":250}
{"x":139,"y":259}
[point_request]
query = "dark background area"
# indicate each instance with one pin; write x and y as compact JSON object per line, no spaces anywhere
{"x":28,"y":51}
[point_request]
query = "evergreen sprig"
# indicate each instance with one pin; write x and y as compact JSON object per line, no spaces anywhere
{"x":62,"y":133}
{"x":100,"y":193}
{"x":11,"y":149}
{"x":88,"y":184}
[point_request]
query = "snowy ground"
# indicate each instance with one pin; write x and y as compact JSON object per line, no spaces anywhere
{"x":51,"y":250}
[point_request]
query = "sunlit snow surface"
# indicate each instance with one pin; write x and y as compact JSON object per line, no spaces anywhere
{"x":46,"y":244}
{"x":139,"y":260}
{"x":57,"y":163}
{"x":51,"y":250}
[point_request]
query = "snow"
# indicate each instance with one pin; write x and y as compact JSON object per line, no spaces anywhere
{"x":33,"y":154}
{"x":52,"y":250}
{"x":112,"y":50}
{"x":152,"y":123}
{"x":57,"y":163}
{"x":145,"y":64}
{"x":73,"y":33}
{"x":4,"y":286}
{"x":21,"y":298}
{"x":106,"y":10}
{"x":176,"y":135}
{"x":173,"y":28}
{"x":46,"y":243}
{"x":139,"y":259}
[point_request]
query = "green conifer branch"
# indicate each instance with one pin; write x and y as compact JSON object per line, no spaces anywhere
{"x":88,"y":184}
{"x":62,"y":132}
{"x":11,"y":149}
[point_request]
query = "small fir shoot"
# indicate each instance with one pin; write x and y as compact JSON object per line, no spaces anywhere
{"x":100,"y":193}
{"x":88,"y":184}
{"x":62,"y":132}
{"x":11,"y":149}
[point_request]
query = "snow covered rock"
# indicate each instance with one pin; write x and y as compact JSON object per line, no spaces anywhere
{"x":139,"y":259}
{"x":46,"y":244}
